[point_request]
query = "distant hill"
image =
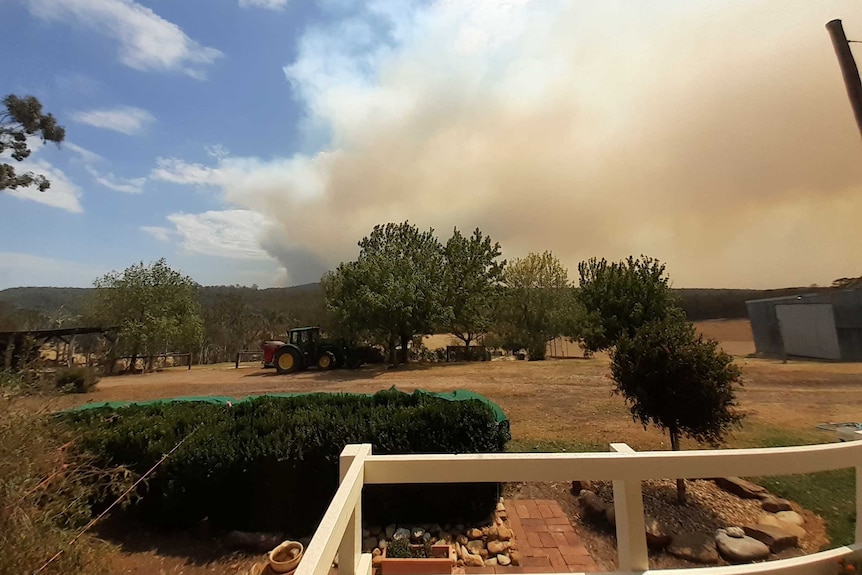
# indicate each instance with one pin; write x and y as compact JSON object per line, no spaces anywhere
{"x":34,"y":307}
{"x":46,"y":300}
{"x":699,"y":304}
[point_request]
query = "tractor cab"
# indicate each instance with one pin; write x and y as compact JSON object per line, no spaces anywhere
{"x":306,"y":339}
{"x":303,"y":336}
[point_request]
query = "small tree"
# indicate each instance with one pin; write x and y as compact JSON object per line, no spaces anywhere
{"x":619,"y":297}
{"x":537,"y":305}
{"x":394,"y":289}
{"x":23,"y":117}
{"x":472,"y":278}
{"x":154,"y":307}
{"x":678,"y":381}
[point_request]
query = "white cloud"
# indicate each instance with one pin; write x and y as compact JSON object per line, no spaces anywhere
{"x":20,"y":269}
{"x":146,"y":40}
{"x":125,"y":185}
{"x":85,"y":155}
{"x":217,"y":151}
{"x":124,"y":119}
{"x":161,"y":233}
{"x":227,"y":233}
{"x":269,"y":4}
{"x":63,"y":193}
{"x":179,"y":171}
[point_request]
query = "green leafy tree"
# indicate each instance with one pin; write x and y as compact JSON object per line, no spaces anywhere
{"x":673,"y":378}
{"x":23,"y":117}
{"x":155,"y":308}
{"x":619,"y":297}
{"x":230,"y":325}
{"x":394,"y":289}
{"x":472,"y":280}
{"x":537,"y":305}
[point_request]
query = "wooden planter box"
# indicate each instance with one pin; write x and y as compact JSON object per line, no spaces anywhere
{"x":440,"y":564}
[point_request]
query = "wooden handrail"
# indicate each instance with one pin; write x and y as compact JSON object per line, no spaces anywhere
{"x":340,"y":528}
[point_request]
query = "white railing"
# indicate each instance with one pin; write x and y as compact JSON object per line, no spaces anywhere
{"x":340,"y":530}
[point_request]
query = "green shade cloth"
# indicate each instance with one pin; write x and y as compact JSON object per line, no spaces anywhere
{"x":456,"y":395}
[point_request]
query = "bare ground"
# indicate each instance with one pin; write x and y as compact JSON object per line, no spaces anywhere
{"x":565,"y":402}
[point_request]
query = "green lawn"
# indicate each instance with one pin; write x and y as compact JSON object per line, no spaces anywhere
{"x":551,"y":446}
{"x":830,"y":494}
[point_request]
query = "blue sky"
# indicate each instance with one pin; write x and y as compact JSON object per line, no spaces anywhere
{"x":256,"y":141}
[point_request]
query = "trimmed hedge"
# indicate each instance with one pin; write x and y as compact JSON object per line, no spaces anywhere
{"x":272,"y":463}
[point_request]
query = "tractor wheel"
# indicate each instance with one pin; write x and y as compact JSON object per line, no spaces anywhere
{"x":326,"y":360}
{"x":287,"y":360}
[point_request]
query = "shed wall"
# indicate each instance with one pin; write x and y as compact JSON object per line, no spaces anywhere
{"x":846,"y":310}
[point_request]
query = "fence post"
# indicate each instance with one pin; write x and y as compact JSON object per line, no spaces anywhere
{"x":631,"y":530}
{"x":858,"y":503}
{"x":237,"y":359}
{"x":350,"y":549}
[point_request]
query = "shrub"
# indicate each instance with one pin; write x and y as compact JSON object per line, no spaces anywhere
{"x":76,"y":379}
{"x":272,"y":463}
{"x":45,"y":495}
{"x":401,"y":548}
{"x":11,"y":384}
{"x":537,"y":348}
{"x":673,"y":378}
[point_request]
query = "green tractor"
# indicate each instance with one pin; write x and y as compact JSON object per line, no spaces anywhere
{"x":305,"y":348}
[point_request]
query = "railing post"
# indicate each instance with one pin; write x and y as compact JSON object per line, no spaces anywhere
{"x":858,"y":503}
{"x":351,"y":543}
{"x":631,"y":530}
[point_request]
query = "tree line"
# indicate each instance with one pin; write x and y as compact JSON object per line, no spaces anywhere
{"x":406,"y":283}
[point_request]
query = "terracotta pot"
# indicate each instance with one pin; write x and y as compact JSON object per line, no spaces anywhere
{"x":285,"y":557}
{"x":440,"y":564}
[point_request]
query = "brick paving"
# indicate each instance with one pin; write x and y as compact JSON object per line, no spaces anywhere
{"x":545,"y":539}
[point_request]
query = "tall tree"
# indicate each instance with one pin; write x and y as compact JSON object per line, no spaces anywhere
{"x":619,"y":297}
{"x":23,"y":117}
{"x":538,"y":304}
{"x":230,"y":325}
{"x":155,"y":307}
{"x":678,"y":381}
{"x":394,"y":289}
{"x":472,"y":279}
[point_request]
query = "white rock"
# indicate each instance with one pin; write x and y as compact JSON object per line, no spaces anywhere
{"x":740,"y":550}
{"x":790,"y":517}
{"x":471,"y":560}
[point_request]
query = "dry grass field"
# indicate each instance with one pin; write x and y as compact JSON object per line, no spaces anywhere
{"x":565,"y":404}
{"x":569,"y":402}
